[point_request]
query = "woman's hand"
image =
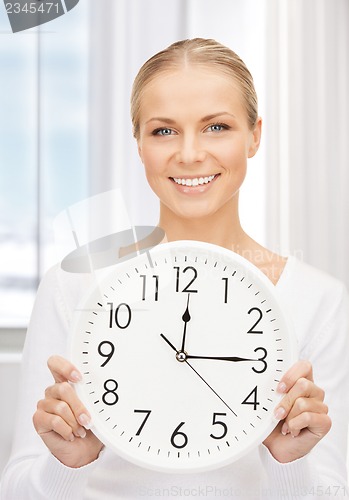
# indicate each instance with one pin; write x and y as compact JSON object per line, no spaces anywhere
{"x":302,"y":414}
{"x":62,"y":421}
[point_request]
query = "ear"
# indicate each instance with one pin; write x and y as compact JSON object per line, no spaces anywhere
{"x":255,"y":138}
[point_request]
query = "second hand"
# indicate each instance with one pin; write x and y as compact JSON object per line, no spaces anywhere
{"x":197,"y":373}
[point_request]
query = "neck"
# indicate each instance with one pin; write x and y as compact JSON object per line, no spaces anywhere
{"x":221,"y":228}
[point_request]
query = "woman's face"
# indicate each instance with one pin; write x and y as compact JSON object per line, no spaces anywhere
{"x":195,"y":140}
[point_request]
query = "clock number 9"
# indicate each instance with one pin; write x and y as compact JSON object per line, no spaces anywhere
{"x":114,"y":317}
{"x":104,"y":354}
{"x":186,"y":289}
{"x":176,"y":433}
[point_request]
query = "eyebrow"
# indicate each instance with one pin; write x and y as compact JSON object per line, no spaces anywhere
{"x":204,"y":119}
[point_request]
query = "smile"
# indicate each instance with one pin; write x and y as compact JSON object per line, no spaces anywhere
{"x":196,"y":181}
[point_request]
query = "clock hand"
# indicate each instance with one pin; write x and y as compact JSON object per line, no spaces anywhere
{"x":222,"y":358}
{"x":186,"y":318}
{"x":181,"y":356}
{"x":169,"y":343}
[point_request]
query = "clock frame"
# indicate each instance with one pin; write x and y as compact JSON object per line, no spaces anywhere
{"x":181,"y":351}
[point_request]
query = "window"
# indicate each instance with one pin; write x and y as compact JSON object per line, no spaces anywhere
{"x":43,"y":148}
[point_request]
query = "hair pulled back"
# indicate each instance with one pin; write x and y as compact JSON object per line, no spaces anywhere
{"x":201,"y":52}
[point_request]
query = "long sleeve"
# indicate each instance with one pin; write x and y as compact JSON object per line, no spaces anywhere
{"x":323,"y":327}
{"x":32,"y":472}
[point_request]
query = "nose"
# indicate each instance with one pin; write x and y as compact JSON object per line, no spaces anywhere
{"x":190,"y":150}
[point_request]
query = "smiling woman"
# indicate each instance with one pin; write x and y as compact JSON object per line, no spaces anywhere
{"x":196,"y":125}
{"x":195,"y":130}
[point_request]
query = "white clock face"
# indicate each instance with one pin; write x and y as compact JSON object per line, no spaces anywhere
{"x":181,"y":351}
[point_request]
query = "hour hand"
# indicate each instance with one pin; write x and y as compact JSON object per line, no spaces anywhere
{"x":186,"y":318}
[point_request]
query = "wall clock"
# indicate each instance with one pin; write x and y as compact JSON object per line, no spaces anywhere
{"x":181,"y":350}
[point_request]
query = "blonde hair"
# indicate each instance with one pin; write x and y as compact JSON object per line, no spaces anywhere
{"x":202,"y":52}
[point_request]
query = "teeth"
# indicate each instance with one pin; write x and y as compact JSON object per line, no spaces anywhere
{"x":194,"y":182}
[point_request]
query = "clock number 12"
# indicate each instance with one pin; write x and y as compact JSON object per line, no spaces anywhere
{"x":186,"y":288}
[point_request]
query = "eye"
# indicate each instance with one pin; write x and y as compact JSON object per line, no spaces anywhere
{"x":218,"y":127}
{"x":163,"y":131}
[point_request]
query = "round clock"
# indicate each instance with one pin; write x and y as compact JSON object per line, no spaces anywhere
{"x":181,"y":351}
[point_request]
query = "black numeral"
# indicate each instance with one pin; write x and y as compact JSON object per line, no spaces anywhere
{"x":183,"y":437}
{"x":251,"y":399}
{"x":260,"y":316}
{"x":222,"y":424}
{"x":106,"y":349}
{"x":262,"y":359}
{"x":114,"y":317}
{"x":147,"y":412}
{"x":110,"y":397}
{"x":186,"y":288}
{"x":156,"y":292}
{"x":225,"y":290}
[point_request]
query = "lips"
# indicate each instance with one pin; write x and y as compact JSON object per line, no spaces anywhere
{"x":194,"y":181}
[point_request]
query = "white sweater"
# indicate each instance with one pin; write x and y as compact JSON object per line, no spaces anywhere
{"x":318,"y":305}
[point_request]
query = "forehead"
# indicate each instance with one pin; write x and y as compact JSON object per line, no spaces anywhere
{"x":188,"y":90}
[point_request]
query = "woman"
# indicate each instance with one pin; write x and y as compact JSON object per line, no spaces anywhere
{"x":194,"y":113}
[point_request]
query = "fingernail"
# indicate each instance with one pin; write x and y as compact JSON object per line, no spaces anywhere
{"x":85,"y":421}
{"x":284,"y":429}
{"x":71,"y":437}
{"x":75,"y":376}
{"x":81,"y":431}
{"x":281,"y":387}
{"x":280,"y":413}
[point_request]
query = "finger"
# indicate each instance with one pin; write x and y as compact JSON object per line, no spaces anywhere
{"x":62,"y":370}
{"x":63,"y":410}
{"x":303,"y":388}
{"x":46,"y":422}
{"x":65,"y":392}
{"x":301,"y":369}
{"x":317,"y":423}
{"x":303,"y":405}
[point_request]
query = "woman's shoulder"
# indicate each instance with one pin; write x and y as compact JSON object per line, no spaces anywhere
{"x":303,"y":278}
{"x":316,"y":301}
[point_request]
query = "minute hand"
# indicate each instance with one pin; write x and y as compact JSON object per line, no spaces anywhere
{"x":222,"y":358}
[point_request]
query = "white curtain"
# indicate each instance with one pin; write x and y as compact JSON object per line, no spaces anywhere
{"x":308,"y":130}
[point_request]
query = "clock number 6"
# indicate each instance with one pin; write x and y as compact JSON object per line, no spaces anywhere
{"x":219,"y":422}
{"x":177,"y":433}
